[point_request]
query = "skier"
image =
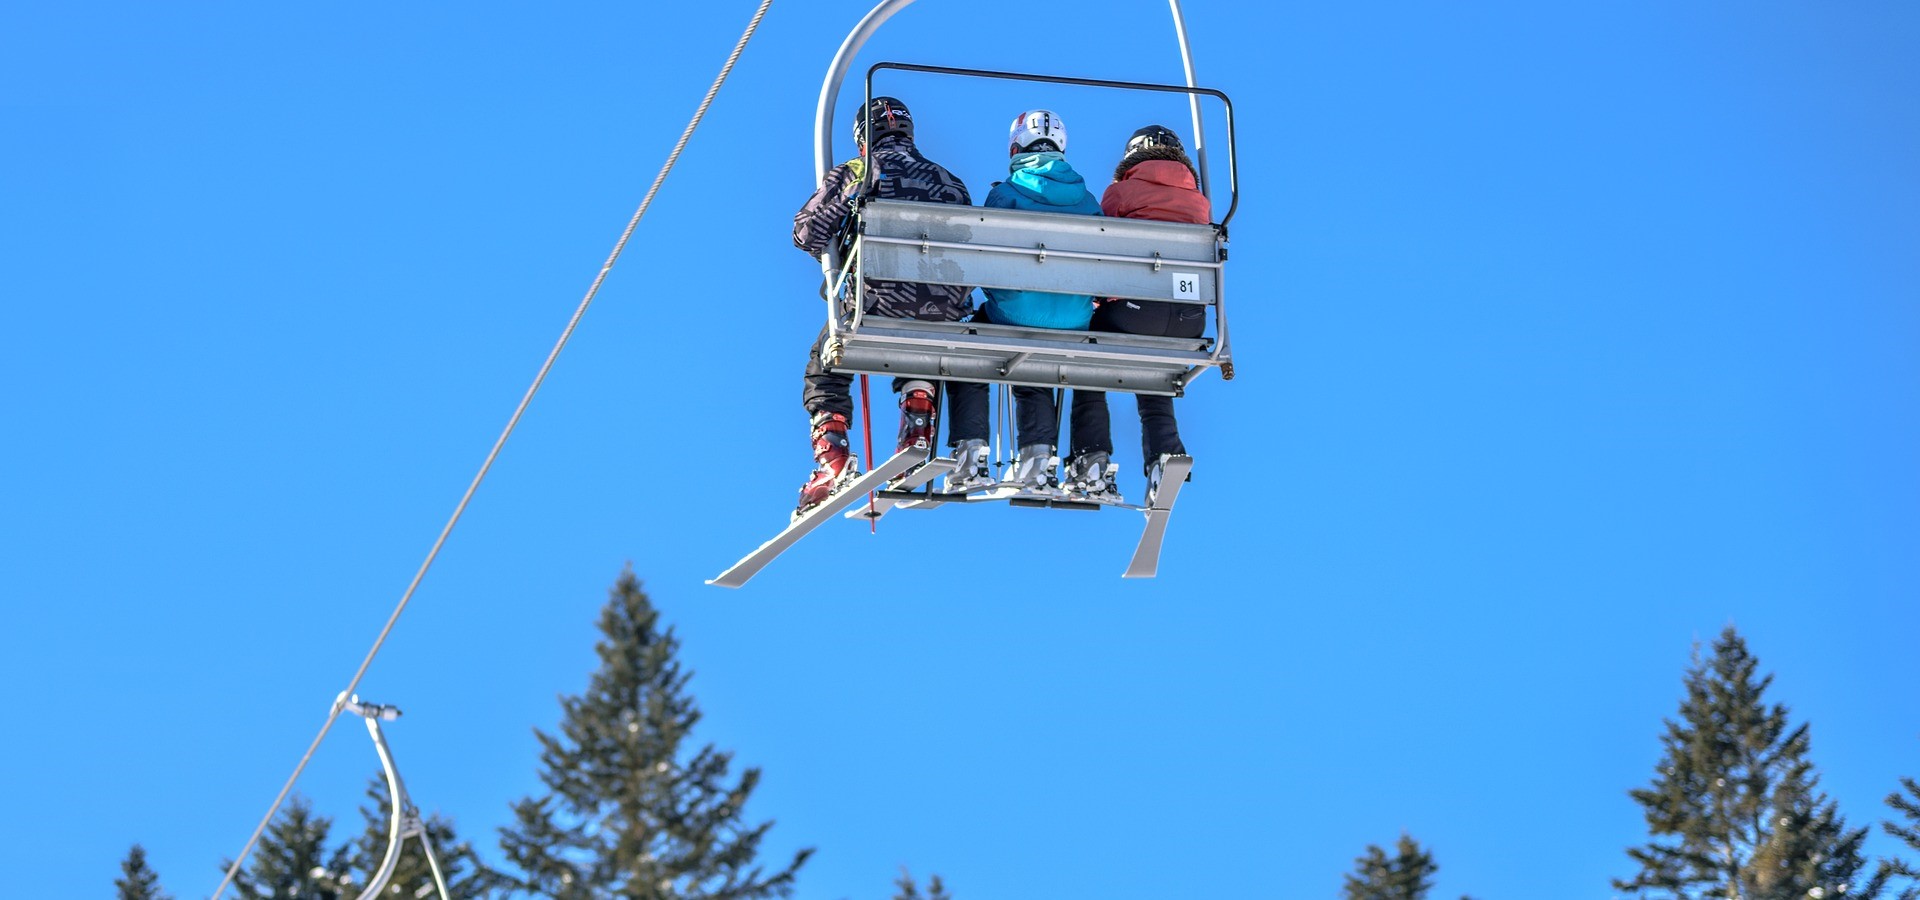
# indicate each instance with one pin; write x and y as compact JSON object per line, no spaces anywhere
{"x":900,"y":173}
{"x":1040,"y":179}
{"x":1155,"y":180}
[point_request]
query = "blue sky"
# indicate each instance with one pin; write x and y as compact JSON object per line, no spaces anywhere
{"x":1568,"y":334}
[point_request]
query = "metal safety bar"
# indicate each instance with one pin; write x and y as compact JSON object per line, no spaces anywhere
{"x":1233,"y":172}
{"x":823,"y":155}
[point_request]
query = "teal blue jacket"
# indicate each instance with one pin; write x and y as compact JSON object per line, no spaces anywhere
{"x":1042,"y":182}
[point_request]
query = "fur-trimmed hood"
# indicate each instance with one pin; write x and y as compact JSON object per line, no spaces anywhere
{"x":1146,"y":153}
{"x":1156,"y":184}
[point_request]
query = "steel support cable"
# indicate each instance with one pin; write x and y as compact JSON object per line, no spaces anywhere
{"x":513,"y":421}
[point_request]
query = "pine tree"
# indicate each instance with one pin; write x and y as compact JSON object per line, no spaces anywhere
{"x":1734,"y":809}
{"x":1407,"y":875}
{"x":137,"y":881}
{"x":906,"y":889}
{"x":1908,"y":806}
{"x":292,"y":861}
{"x":467,"y":877}
{"x":629,"y":811}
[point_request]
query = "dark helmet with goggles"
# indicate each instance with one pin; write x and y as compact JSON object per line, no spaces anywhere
{"x":885,"y":115}
{"x":1153,"y":136}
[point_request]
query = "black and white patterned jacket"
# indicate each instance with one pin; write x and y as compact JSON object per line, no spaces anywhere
{"x":903,"y":175}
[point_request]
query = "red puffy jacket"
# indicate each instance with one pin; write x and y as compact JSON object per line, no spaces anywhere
{"x":1158,"y":189}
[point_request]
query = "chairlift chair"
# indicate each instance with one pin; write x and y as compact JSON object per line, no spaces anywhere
{"x":931,"y":243}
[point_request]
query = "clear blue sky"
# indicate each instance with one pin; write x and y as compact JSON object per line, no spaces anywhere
{"x":1568,"y":333}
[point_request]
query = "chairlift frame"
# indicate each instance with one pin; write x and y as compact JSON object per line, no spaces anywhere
{"x":1103,"y":257}
{"x":895,"y":240}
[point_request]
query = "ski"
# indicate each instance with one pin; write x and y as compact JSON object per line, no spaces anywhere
{"x":1146,"y":557}
{"x":885,"y":499}
{"x":751,"y":565}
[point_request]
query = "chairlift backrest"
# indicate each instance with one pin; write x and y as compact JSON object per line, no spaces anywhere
{"x":1021,"y":250}
{"x":937,"y":243}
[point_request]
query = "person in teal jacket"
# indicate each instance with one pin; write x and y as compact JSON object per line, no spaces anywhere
{"x":1040,"y":180}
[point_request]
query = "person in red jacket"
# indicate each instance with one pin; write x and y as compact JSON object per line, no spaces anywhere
{"x":1155,"y":180}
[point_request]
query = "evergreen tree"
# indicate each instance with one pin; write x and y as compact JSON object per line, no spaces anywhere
{"x":467,"y":877}
{"x":292,"y":861}
{"x":1406,"y":875}
{"x":906,"y":889}
{"x":1908,"y":806}
{"x":1734,"y":809}
{"x":137,"y":881}
{"x":629,"y":811}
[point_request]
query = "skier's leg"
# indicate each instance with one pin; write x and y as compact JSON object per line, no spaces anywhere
{"x":1087,"y":472}
{"x":1038,"y":420}
{"x":1092,"y":429}
{"x":829,"y":403}
{"x":1159,"y":432}
{"x":1039,"y":432}
{"x":966,"y":412}
{"x":968,"y":427}
{"x":917,"y":425}
{"x":821,"y":391}
{"x":967,"y":417}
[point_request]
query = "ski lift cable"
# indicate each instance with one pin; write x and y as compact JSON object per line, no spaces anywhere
{"x":594,"y":289}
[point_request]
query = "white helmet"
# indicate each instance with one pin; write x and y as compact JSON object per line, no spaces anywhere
{"x":1036,"y":125}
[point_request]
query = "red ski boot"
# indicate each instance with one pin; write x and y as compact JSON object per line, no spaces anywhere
{"x":835,"y":466}
{"x":917,"y":428}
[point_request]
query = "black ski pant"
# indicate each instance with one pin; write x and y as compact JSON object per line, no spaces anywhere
{"x":823,"y":391}
{"x":1159,"y":431}
{"x":1035,"y":413}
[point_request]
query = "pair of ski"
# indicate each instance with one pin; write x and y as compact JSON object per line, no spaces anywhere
{"x":914,"y":467}
{"x":906,"y":493}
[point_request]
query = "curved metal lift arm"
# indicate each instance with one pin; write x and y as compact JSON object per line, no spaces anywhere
{"x":405,"y":821}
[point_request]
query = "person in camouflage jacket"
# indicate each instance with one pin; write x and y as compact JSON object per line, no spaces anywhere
{"x":902,"y":173}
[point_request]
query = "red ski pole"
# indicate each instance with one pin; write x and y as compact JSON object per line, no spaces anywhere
{"x":866,"y":430}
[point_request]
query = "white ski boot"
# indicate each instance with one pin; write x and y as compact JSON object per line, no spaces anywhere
{"x":1093,"y":476}
{"x":1033,"y":471}
{"x":1154,"y":473}
{"x":971,"y":472}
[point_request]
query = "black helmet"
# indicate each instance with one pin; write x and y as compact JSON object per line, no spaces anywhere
{"x":889,"y":116}
{"x":1153,"y":136}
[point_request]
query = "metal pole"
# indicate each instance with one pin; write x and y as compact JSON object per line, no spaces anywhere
{"x":396,"y":802}
{"x":823,"y":113}
{"x":836,"y":73}
{"x":406,"y":820}
{"x":1193,"y":100}
{"x":433,"y":862}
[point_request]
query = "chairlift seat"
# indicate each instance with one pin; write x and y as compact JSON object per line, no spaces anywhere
{"x":1011,"y":354}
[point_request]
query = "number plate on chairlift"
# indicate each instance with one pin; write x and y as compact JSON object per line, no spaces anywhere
{"x":1186,"y":286}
